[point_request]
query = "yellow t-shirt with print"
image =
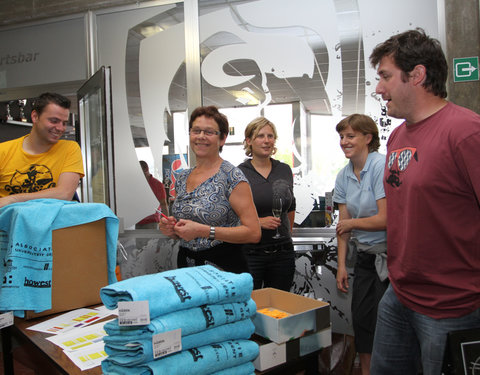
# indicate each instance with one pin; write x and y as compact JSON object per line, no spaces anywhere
{"x":21,"y":172}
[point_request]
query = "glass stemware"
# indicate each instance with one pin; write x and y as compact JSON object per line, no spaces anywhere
{"x":277,"y":212}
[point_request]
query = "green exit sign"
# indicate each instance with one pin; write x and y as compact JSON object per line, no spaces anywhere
{"x":465,"y":69}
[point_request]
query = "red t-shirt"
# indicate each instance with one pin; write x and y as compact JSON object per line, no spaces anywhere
{"x":432,"y":185}
{"x":159,"y":190}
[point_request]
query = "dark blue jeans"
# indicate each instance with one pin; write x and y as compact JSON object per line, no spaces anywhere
{"x":271,"y":268}
{"x":405,"y":338}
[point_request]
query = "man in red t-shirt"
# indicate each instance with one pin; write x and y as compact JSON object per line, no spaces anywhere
{"x":432,"y":186}
{"x":159,"y":190}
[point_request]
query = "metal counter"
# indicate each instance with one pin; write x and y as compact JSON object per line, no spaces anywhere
{"x":311,"y":239}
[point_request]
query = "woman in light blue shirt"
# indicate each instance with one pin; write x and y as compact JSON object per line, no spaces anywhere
{"x":362,"y":224}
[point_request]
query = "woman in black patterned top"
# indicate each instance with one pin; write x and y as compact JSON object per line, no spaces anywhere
{"x":271,"y":261}
{"x":213,"y":212}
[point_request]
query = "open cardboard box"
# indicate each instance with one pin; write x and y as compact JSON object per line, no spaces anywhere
{"x":272,"y":354}
{"x":79,"y":268}
{"x":307,"y":315}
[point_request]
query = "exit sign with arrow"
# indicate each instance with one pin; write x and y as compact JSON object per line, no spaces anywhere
{"x":465,"y":69}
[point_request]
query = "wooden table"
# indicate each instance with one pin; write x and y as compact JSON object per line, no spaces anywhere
{"x":41,"y":353}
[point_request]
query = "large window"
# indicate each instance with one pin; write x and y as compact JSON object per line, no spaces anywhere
{"x":302,"y":64}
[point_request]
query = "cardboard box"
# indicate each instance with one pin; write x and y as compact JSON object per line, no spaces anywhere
{"x":79,"y":268}
{"x":273,"y":354}
{"x":307,"y":315}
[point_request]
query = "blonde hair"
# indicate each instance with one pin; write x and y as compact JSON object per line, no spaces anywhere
{"x":252,"y":130}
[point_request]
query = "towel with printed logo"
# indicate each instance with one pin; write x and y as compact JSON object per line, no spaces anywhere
{"x":245,"y":369}
{"x":136,"y":352}
{"x":180,"y":289}
{"x":203,"y":360}
{"x":189,"y":321}
{"x":26,"y":248}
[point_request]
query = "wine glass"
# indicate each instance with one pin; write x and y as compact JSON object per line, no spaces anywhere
{"x":277,"y":212}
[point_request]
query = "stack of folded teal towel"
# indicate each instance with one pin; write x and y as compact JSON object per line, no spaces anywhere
{"x":212,"y":308}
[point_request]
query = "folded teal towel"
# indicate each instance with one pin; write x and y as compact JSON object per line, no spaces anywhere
{"x":180,"y":289}
{"x":189,"y":321}
{"x":245,"y":369}
{"x":199,"y":361}
{"x":141,"y":351}
{"x":26,"y":261}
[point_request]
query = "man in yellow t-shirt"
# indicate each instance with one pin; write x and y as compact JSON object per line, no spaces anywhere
{"x":40,"y":165}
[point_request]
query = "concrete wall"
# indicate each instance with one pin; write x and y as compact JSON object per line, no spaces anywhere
{"x":463,"y":40}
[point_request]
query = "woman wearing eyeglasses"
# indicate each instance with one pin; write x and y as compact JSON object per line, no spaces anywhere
{"x":213,"y":213}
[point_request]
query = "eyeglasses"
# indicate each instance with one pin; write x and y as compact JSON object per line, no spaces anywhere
{"x":207,"y":132}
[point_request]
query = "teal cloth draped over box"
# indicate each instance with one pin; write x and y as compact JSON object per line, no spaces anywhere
{"x":26,"y":251}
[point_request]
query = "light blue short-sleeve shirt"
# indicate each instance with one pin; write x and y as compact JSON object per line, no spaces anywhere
{"x":361,"y":197}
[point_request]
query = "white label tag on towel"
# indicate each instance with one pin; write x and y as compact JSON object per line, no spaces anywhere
{"x":134,"y":313}
{"x":167,"y":343}
{"x":6,"y":319}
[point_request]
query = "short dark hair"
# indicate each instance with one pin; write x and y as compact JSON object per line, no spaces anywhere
{"x":213,"y":113}
{"x":47,"y":98}
{"x":411,"y":48}
{"x":144,"y":165}
{"x":363,"y":124}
